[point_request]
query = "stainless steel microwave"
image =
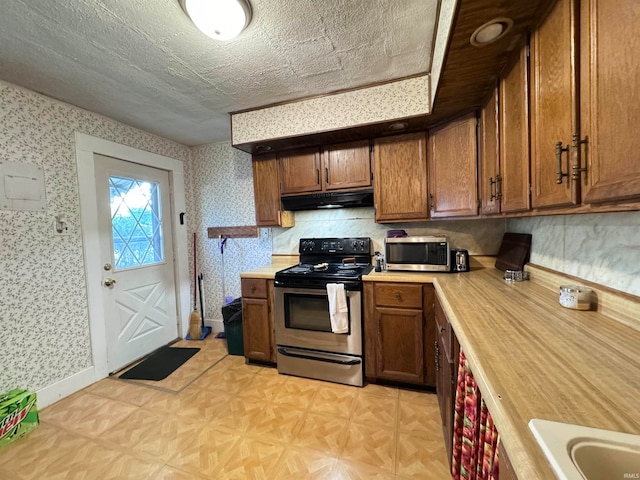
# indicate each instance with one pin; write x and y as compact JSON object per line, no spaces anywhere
{"x":422,"y":254}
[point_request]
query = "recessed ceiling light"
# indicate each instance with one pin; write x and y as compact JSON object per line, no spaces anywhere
{"x":262,"y":148}
{"x":398,"y":126}
{"x":491,"y":31}
{"x":218,"y":19}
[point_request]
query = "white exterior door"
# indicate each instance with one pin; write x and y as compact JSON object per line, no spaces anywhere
{"x":136,"y":254}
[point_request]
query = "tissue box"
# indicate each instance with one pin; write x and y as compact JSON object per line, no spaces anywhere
{"x":18,"y":415}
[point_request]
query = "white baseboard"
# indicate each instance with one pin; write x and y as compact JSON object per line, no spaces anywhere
{"x":59,"y":390}
{"x":215,"y":324}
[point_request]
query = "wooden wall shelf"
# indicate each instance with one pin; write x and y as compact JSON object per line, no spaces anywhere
{"x":250,"y":231}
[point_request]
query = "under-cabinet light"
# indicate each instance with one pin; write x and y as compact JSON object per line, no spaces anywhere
{"x":491,"y":31}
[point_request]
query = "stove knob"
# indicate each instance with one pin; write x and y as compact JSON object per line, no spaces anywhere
{"x":361,"y":244}
{"x":311,"y":244}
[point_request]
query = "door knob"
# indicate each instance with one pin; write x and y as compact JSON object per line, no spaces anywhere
{"x":109,"y":281}
{"x":107,"y":266}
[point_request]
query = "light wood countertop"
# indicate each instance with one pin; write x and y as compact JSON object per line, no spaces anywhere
{"x":532,"y":358}
{"x":269,"y":271}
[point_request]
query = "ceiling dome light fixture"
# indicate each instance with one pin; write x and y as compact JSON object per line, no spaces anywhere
{"x":218,"y":19}
{"x":491,"y":31}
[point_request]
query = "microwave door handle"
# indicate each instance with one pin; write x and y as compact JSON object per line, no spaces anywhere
{"x":310,"y":356}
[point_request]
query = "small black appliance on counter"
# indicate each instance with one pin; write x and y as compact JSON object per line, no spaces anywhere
{"x":459,"y":260}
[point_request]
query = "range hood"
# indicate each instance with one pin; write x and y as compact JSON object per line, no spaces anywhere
{"x":313,"y":201}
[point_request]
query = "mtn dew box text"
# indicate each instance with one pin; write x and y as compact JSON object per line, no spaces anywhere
{"x":18,"y":415}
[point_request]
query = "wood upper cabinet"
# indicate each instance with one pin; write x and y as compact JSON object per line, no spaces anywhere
{"x":488,"y":156}
{"x":347,"y":166}
{"x":609,"y":100}
{"x":514,"y":137}
{"x":452,"y":163}
{"x":399,"y":332}
{"x":400,"y":178}
{"x":553,"y":107}
{"x":340,"y":167}
{"x":257,"y":319}
{"x":300,"y":172}
{"x":266,"y":190}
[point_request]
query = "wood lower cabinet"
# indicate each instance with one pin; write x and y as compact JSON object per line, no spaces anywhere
{"x":446,"y":359}
{"x":400,"y":178}
{"x":257,"y":319}
{"x":453,"y":155}
{"x":266,"y":189}
{"x":507,"y":471}
{"x":514,"y":137}
{"x":399,"y":332}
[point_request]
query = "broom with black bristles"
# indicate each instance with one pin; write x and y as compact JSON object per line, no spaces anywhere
{"x":194,"y":319}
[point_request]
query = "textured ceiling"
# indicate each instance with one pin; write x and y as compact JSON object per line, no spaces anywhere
{"x":145,"y":63}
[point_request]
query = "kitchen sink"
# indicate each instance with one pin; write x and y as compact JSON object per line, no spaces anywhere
{"x":577,"y":453}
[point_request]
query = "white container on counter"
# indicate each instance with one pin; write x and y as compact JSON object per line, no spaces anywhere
{"x":576,"y":297}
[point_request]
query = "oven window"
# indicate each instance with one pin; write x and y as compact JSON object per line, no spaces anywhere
{"x":308,"y":312}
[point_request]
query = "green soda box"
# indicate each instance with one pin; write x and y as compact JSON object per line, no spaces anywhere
{"x":18,"y":415}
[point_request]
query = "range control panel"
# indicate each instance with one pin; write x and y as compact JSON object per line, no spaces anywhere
{"x":342,"y":246}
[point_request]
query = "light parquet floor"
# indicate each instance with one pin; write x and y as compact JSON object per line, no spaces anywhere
{"x":223,"y":419}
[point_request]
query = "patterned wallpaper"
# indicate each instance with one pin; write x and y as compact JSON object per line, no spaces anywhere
{"x":389,"y":101}
{"x":602,"y":247}
{"x":220,"y":182}
{"x":43,"y":306}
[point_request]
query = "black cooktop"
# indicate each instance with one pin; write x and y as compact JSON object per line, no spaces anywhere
{"x":326,"y":260}
{"x":327,"y":270}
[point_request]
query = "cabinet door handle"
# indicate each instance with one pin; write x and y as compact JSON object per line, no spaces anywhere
{"x":437,"y":356}
{"x":318,"y":175}
{"x":577,"y":144}
{"x":492,"y":189}
{"x":398,"y":297}
{"x":559,"y":151}
{"x":326,"y":174}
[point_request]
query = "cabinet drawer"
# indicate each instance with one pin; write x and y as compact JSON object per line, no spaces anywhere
{"x":402,"y":295}
{"x":254,"y":287}
{"x":443,"y":330}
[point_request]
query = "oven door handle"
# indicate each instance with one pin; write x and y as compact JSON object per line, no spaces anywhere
{"x":310,"y":356}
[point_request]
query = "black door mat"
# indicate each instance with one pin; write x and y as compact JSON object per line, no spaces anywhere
{"x":159,"y":365}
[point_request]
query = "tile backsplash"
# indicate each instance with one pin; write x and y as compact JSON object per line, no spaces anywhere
{"x":603,"y":248}
{"x":480,"y":237}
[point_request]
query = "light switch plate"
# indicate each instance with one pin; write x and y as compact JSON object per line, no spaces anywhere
{"x":22,"y":187}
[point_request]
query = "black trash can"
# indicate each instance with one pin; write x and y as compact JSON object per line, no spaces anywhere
{"x":232,"y":319}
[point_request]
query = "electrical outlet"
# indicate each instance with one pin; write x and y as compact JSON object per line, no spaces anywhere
{"x":265,"y":233}
{"x":60,"y":229}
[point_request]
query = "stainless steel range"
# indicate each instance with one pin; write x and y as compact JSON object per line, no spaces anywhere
{"x":308,"y":345}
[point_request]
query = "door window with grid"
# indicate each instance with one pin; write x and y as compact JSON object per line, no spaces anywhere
{"x":136,"y":222}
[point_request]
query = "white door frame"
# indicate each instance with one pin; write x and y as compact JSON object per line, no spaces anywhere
{"x":86,"y":146}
